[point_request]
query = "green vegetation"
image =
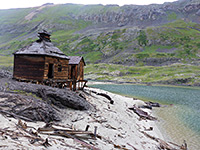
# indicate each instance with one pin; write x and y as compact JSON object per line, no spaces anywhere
{"x":143,"y":74}
{"x":184,"y":36}
{"x":6,"y":61}
{"x":68,"y":34}
{"x":172,"y":16}
{"x":142,"y":38}
{"x":176,"y":35}
{"x":93,"y":56}
{"x":173,"y":41}
{"x":12,"y":16}
{"x":27,"y":94}
{"x":14,"y":45}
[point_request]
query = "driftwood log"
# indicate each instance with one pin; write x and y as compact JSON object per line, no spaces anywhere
{"x":69,"y":133}
{"x":15,"y":116}
{"x":150,"y":105}
{"x":164,"y":145}
{"x":50,"y":128}
{"x":142,"y":114}
{"x":153,"y":104}
{"x":34,"y":136}
{"x":104,"y":95}
{"x":23,"y":130}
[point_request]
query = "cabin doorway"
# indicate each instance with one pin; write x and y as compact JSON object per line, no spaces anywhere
{"x":51,"y":70}
{"x":73,"y":72}
{"x":73,"y":77}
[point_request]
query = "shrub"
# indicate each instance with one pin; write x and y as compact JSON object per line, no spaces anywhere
{"x":141,"y":56}
{"x":142,"y":38}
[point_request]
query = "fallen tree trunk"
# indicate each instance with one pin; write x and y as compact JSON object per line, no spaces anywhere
{"x":65,"y":134}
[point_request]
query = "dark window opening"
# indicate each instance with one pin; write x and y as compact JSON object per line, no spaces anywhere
{"x":51,"y":70}
{"x":59,"y":68}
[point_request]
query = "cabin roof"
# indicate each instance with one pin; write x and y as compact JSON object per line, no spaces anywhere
{"x":42,"y":48}
{"x":75,"y":60}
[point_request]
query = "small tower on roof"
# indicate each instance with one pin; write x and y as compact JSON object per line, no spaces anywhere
{"x":44,"y":36}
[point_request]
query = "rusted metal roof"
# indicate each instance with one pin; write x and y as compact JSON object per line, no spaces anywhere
{"x":42,"y":48}
{"x":75,"y":60}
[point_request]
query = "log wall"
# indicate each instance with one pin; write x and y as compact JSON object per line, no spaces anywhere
{"x":29,"y":67}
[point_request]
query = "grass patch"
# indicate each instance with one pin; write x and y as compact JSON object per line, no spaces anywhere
{"x":172,"y":16}
{"x":92,"y":57}
{"x":144,"y":73}
{"x":6,"y":61}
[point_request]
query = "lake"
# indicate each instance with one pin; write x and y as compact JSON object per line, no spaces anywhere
{"x":180,"y":121}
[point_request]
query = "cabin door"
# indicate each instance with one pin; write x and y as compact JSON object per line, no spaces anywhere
{"x":51,"y":71}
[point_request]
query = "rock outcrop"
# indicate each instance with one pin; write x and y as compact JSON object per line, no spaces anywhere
{"x":27,"y":108}
{"x":136,"y":15}
{"x":36,"y":102}
{"x":62,"y":98}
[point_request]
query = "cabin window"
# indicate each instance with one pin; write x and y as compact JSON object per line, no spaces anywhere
{"x":59,"y":68}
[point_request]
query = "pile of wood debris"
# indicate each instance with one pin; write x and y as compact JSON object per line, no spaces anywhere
{"x":44,"y":136}
{"x":27,"y":108}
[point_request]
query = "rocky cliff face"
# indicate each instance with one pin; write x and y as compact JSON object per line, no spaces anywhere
{"x":133,"y":15}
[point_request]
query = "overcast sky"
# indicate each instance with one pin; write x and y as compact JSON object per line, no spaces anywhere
{"x":6,"y":4}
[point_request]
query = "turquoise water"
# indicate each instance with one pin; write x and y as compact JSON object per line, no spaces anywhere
{"x":182,"y":118}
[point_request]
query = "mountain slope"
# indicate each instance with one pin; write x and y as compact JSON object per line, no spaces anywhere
{"x":128,"y":35}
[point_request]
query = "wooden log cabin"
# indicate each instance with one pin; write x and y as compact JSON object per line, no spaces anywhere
{"x":42,"y":62}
